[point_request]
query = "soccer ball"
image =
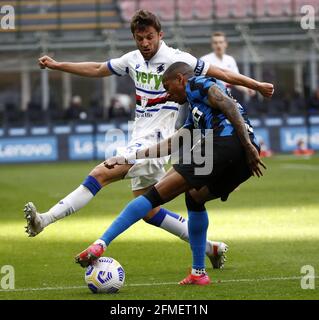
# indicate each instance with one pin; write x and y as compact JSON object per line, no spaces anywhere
{"x":106,"y":275}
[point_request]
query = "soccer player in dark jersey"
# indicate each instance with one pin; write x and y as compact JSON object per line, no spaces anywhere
{"x":235,"y":158}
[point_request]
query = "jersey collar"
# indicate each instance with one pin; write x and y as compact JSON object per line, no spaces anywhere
{"x":161,"y":48}
{"x":216,"y":57}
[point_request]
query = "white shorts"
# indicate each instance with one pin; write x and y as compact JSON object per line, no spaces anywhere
{"x":143,"y":173}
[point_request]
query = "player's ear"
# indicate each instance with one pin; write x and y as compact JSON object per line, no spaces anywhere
{"x":161,"y":35}
{"x":179,"y":77}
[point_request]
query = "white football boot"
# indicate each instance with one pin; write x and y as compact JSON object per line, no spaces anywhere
{"x":217,"y":255}
{"x":34,"y":225}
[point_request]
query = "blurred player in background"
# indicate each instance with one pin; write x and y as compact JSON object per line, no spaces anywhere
{"x":155,"y":120}
{"x":220,"y":59}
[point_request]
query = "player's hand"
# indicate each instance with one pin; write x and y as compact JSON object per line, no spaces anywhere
{"x":47,"y":62}
{"x":254,"y":160}
{"x":114,"y":161}
{"x":266,"y":89}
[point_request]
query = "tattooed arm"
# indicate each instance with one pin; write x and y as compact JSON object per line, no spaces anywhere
{"x":228,"y":106}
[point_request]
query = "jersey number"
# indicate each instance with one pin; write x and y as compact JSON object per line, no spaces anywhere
{"x":197,"y":116}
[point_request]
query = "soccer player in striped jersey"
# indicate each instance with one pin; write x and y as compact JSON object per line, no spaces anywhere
{"x":155,"y":119}
{"x":231,"y":159}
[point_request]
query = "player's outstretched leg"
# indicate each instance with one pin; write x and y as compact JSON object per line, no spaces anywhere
{"x":178,"y":226}
{"x":34,"y":225}
{"x":168,"y":189}
{"x":74,"y":201}
{"x":217,"y":253}
{"x":135,"y":210}
{"x":91,"y":254}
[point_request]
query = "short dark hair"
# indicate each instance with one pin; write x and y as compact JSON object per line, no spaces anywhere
{"x":219,"y":34}
{"x":178,"y":67}
{"x":143,"y":19}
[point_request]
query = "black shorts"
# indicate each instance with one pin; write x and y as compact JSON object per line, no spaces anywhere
{"x":230,"y":168}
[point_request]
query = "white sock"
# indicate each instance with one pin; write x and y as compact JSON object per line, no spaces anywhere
{"x":70,"y":204}
{"x":101,"y":243}
{"x":179,"y":228}
{"x":198,"y":272}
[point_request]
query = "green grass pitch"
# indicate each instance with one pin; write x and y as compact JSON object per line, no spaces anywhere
{"x":271,"y":225}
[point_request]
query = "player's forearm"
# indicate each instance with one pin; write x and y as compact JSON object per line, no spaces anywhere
{"x":85,"y":69}
{"x":162,"y":149}
{"x":159,"y":150}
{"x":232,"y":77}
{"x":236,"y":119}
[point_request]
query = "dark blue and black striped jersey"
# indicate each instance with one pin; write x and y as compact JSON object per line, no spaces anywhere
{"x":201,"y":115}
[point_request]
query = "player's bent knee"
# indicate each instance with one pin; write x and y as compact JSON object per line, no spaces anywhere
{"x":151,"y":214}
{"x":154,"y":197}
{"x":194,"y":203}
{"x":100,"y":174}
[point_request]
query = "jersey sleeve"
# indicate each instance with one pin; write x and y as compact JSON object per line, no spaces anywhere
{"x":200,"y":66}
{"x":206,"y":58}
{"x":198,"y":89}
{"x":119,"y":66}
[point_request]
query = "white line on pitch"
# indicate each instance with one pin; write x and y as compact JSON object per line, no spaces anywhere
{"x":156,"y":284}
{"x":299,"y":166}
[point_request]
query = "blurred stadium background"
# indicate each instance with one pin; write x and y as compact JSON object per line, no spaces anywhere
{"x":49,"y":115}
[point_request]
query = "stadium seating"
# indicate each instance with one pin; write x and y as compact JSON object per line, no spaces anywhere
{"x":127,"y":7}
{"x":221,"y":8}
{"x":203,"y":9}
{"x":273,"y":8}
{"x":53,"y":15}
{"x":149,"y":5}
{"x":37,"y":15}
{"x":243,"y":9}
{"x":234,"y":9}
{"x":166,"y":9}
{"x":186,"y":10}
{"x":300,"y":3}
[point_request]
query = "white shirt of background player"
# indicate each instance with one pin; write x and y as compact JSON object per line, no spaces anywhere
{"x":220,"y":59}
